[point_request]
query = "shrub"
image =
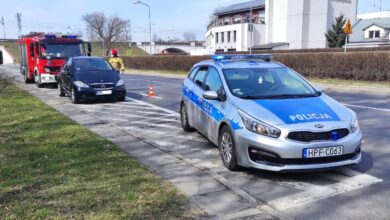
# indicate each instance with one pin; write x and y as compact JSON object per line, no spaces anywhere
{"x":368,"y":66}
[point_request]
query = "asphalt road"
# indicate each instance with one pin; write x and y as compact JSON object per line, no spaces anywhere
{"x":357,"y":192}
{"x":373,"y":111}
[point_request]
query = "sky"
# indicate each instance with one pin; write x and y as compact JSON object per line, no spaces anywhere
{"x":170,"y":18}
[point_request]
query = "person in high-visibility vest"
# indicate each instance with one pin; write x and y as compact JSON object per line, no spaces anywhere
{"x":116,"y":61}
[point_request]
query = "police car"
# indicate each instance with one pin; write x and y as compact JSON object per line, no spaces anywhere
{"x":264,"y":115}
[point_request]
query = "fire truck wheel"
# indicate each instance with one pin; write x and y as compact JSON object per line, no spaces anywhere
{"x":74,"y":97}
{"x":61,"y":92}
{"x":26,"y":79}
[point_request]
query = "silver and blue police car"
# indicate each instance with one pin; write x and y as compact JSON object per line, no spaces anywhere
{"x":264,"y":115}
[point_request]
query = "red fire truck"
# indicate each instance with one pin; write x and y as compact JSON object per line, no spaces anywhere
{"x":42,"y":55}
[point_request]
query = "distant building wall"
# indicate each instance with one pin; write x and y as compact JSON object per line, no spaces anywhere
{"x":7,"y":58}
{"x":302,"y":23}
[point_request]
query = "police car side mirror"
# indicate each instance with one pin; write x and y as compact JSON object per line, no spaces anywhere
{"x":211,"y":95}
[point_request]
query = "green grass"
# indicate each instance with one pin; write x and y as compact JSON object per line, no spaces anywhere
{"x":54,"y":168}
{"x":351,"y":82}
{"x":123,"y":49}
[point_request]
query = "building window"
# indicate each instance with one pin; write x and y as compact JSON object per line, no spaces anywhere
{"x":226,"y":21}
{"x":216,"y":38}
{"x":228,"y":37}
{"x":234,"y":36}
{"x":232,"y":50}
{"x":219,"y":50}
{"x":374,"y":34}
{"x":222,"y":37}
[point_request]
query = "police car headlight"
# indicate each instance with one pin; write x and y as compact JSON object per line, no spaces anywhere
{"x":354,"y":124}
{"x":259,"y":127}
{"x":120,"y":83}
{"x":80,"y":84}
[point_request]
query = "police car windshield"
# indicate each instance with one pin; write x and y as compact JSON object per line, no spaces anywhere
{"x":91,"y":64}
{"x":267,"y":83}
{"x":61,"y":50}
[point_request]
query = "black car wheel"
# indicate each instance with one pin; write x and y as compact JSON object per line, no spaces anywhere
{"x":184,"y":118}
{"x":227,"y":147}
{"x":74,"y":96}
{"x":61,"y":92}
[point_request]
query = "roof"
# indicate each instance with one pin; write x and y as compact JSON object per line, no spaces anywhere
{"x":362,"y":24}
{"x":269,"y":46}
{"x":241,"y":7}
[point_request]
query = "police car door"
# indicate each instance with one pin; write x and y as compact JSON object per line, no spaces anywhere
{"x":196,"y":98}
{"x":212,"y":108}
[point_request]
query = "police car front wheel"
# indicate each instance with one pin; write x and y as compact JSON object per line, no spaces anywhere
{"x":227,"y":147}
{"x":184,"y":118}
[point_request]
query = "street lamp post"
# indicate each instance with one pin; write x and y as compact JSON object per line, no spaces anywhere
{"x":150,"y":23}
{"x":251,"y":28}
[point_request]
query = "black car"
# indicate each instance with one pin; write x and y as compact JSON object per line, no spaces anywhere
{"x":85,"y":78}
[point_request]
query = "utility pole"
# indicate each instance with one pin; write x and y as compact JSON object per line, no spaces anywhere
{"x":251,"y":28}
{"x":150,"y":23}
{"x":19,"y":22}
{"x":380,"y":5}
{"x":2,"y":23}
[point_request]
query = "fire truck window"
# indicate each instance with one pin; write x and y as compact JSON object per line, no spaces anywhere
{"x":32,"y":50}
{"x":37,"y":48}
{"x":62,"y":50}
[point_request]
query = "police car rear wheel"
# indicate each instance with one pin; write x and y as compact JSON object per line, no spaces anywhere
{"x":227,"y":148}
{"x":184,"y":118}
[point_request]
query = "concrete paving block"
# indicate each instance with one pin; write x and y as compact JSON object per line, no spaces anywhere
{"x":209,"y":185}
{"x":221,"y":203}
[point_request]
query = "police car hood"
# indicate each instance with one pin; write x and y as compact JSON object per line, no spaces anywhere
{"x":296,"y":110}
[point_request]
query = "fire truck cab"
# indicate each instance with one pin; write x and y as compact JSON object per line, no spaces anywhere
{"x":42,"y":55}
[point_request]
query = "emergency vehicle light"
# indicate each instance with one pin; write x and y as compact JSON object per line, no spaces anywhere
{"x":222,"y":57}
{"x":50,"y":36}
{"x":69,"y":36}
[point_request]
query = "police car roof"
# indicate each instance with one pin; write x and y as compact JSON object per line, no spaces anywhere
{"x":86,"y":57}
{"x":241,"y":64}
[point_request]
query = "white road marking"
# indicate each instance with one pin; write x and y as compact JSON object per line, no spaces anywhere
{"x":146,"y":95}
{"x":316,"y":192}
{"x":366,"y":107}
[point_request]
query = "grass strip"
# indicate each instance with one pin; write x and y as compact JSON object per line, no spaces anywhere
{"x":54,"y":168}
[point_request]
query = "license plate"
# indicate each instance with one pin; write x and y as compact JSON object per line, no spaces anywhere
{"x":104,"y":92}
{"x":323,"y":152}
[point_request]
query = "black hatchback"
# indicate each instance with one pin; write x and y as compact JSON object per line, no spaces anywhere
{"x":85,"y":78}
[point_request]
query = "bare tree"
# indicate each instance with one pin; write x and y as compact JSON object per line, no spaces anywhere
{"x":108,"y":29}
{"x":189,"y":36}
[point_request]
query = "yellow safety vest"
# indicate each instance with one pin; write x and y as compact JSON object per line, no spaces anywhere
{"x":117,"y":63}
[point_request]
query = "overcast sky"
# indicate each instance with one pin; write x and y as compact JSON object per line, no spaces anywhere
{"x":170,"y":18}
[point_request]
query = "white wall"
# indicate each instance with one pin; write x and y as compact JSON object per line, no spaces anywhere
{"x":7,"y":58}
{"x":302,"y":23}
{"x":242,"y":37}
{"x":374,"y":28}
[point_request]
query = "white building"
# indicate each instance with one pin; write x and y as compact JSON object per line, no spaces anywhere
{"x":371,"y":30}
{"x":278,"y":24}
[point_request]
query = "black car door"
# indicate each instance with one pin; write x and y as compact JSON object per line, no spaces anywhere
{"x":67,"y":75}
